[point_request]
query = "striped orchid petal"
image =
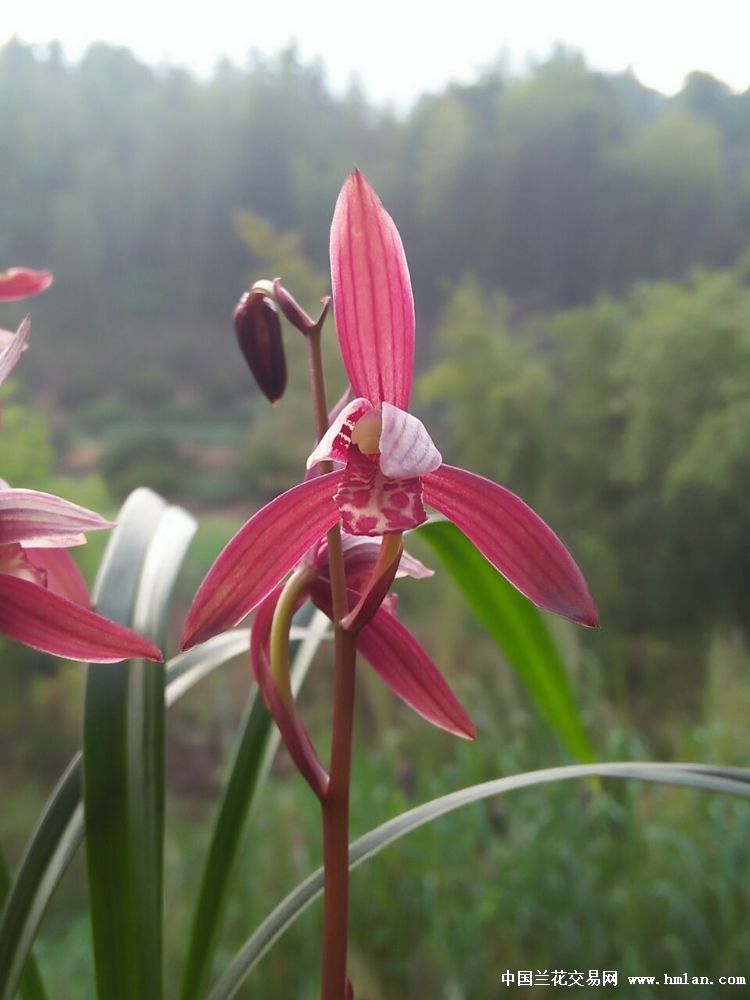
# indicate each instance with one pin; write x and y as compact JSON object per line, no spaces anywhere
{"x":43,"y":520}
{"x":394,"y":653}
{"x":11,"y":348}
{"x":260,"y":555}
{"x":334,"y":445}
{"x":22,"y":282}
{"x":514,"y":539}
{"x":38,"y":617}
{"x":372,"y":297}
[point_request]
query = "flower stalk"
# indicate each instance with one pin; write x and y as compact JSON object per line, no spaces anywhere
{"x":335,"y":803}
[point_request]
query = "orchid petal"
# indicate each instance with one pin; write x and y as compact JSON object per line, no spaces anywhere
{"x":372,"y":504}
{"x":260,"y":555}
{"x":11,"y":349}
{"x":42,"y":519}
{"x":62,"y":574}
{"x":514,"y":539}
{"x":22,"y":282}
{"x":45,"y":620}
{"x":334,"y":445}
{"x":413,"y":567}
{"x":394,"y":653}
{"x":293,"y":733}
{"x":406,"y":449}
{"x":372,"y":297}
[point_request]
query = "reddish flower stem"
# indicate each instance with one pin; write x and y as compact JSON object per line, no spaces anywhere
{"x":335,"y":804}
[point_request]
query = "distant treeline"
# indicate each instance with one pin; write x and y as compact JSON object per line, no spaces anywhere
{"x":553,"y":186}
{"x":579,"y":247}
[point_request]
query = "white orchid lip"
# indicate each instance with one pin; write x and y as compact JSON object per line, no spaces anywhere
{"x":406,"y":449}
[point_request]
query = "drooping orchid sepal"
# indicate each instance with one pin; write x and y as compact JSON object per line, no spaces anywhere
{"x":269,"y":656}
{"x":258,"y":329}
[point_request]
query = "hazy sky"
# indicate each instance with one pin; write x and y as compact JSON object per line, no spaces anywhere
{"x":399,"y":49}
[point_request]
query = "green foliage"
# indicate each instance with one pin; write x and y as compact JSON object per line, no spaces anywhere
{"x":30,"y":461}
{"x":148,"y":459}
{"x":487,"y":385}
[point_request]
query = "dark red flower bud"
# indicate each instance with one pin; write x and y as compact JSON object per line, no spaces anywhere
{"x":258,"y":329}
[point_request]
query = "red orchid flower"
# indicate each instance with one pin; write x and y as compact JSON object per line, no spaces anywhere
{"x":384,"y":642}
{"x":43,"y":598}
{"x":391,"y":466}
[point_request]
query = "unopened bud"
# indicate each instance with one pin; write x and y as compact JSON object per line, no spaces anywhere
{"x":258,"y":329}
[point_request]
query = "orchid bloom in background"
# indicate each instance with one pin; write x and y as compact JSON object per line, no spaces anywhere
{"x":18,"y":283}
{"x":22,"y":283}
{"x":391,"y":466}
{"x":43,"y":598}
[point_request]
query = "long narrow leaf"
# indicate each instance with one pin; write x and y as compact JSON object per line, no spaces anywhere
{"x":123,"y":754}
{"x":256,"y":746}
{"x":519,"y":630}
{"x":732,"y":781}
{"x":60,"y":829}
{"x":31,"y":985}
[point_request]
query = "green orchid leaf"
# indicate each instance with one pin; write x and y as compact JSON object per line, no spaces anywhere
{"x":123,"y":753}
{"x":31,"y":986}
{"x":731,"y":781}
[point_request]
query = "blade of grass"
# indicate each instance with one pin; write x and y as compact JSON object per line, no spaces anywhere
{"x":31,"y":985}
{"x":732,"y":781}
{"x":123,"y":753}
{"x":256,"y":746}
{"x":519,"y":630}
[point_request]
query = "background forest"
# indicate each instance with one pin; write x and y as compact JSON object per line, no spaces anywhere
{"x":580,"y":251}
